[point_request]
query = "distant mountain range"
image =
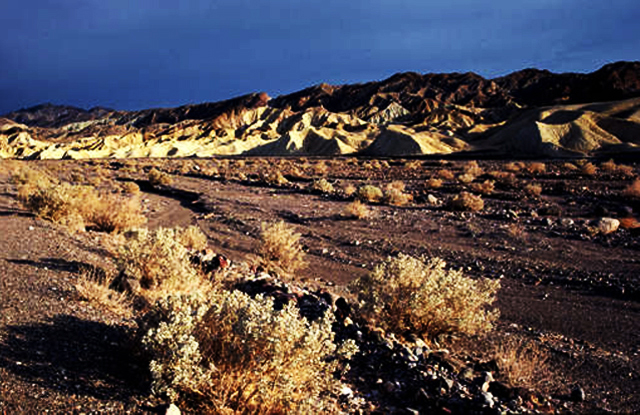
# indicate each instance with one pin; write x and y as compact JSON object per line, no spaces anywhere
{"x":529,"y":113}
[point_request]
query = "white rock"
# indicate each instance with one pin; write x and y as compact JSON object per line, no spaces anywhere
{"x":608,"y":225}
{"x":172,"y":410}
{"x":432,"y":199}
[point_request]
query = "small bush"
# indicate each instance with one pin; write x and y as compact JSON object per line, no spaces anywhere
{"x":514,"y":167}
{"x":466,"y":178}
{"x":227,"y":352}
{"x":358,"y":210}
{"x":411,"y":295}
{"x":434,"y":183}
{"x":536,"y":168}
{"x":159,"y":262}
{"x":486,"y":188}
{"x":394,"y":194}
{"x":633,"y":190}
{"x":445,"y":174}
{"x":588,"y":169}
{"x":534,"y":190}
{"x":275,"y":178}
{"x":466,"y":201}
{"x":159,"y":178}
{"x":131,"y":188}
{"x":322,"y":186}
{"x":349,"y":189}
{"x":522,"y":363}
{"x":320,"y":168}
{"x":192,"y":238}
{"x":97,"y":292}
{"x":570,"y":166}
{"x":504,"y":177}
{"x":369,"y":193}
{"x":629,"y":223}
{"x":473,"y":169}
{"x":280,"y":246}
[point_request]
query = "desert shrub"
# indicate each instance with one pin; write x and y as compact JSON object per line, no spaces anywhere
{"x":466,"y":201}
{"x":279,"y":245}
{"x":159,"y":262}
{"x":358,"y":210}
{"x":434,"y":183}
{"x":588,"y":169}
{"x":275,"y":178}
{"x":534,"y":190}
{"x":609,"y":166}
{"x":536,"y":168}
{"x":30,"y":180}
{"x":633,"y":190}
{"x":407,"y":294}
{"x":445,"y":174}
{"x":570,"y":166}
{"x":159,"y":178}
{"x":514,"y":166}
{"x":322,"y":186}
{"x":466,"y":178}
{"x":504,"y":177}
{"x":412,"y":164}
{"x":486,"y":188}
{"x":131,"y":188}
{"x":320,"y":168}
{"x":96,"y":291}
{"x":472,"y":168}
{"x":82,"y":206}
{"x":394,"y":194}
{"x":369,"y":193}
{"x":192,"y":238}
{"x":226,"y":352}
{"x":522,"y":363}
{"x":349,"y":189}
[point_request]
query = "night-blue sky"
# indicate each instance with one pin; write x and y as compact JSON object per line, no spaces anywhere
{"x":133,"y":54}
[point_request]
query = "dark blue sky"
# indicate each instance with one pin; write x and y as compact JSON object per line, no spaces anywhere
{"x":134,"y":54}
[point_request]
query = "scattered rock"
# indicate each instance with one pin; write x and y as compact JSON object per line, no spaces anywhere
{"x":608,"y":225}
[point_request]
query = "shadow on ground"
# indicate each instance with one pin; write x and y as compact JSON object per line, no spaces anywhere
{"x":75,"y":356}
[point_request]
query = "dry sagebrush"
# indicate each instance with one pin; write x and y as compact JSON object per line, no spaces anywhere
{"x":279,"y":247}
{"x":407,"y":294}
{"x":227,"y":352}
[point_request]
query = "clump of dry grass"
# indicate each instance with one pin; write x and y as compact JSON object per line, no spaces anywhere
{"x":348,"y":190}
{"x":412,"y":295}
{"x":522,"y":363}
{"x":504,"y":177}
{"x":275,"y":178}
{"x":159,"y":263}
{"x":466,"y":201}
{"x":358,"y":210}
{"x":445,"y":174}
{"x":130,"y":188}
{"x":536,"y":168}
{"x":279,"y":246}
{"x":192,"y":238}
{"x":466,"y":178}
{"x":486,"y":188}
{"x":434,"y":183}
{"x":369,"y":193}
{"x":322,"y":186}
{"x":320,"y":168}
{"x":77,"y":206}
{"x":570,"y":166}
{"x":633,"y":190}
{"x":395,"y":195}
{"x":533,"y":190}
{"x":514,"y":166}
{"x":629,"y":223}
{"x":159,"y":178}
{"x":96,"y":291}
{"x":472,"y":168}
{"x":588,"y":169}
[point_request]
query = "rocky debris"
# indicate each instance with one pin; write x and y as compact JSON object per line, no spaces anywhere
{"x":394,"y":375}
{"x":607,"y":225}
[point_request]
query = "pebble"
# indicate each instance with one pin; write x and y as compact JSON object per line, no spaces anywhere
{"x":608,"y":225}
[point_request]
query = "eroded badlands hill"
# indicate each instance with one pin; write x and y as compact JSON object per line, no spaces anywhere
{"x":527,"y":113}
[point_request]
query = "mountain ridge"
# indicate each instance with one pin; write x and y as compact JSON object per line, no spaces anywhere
{"x":404,"y":113}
